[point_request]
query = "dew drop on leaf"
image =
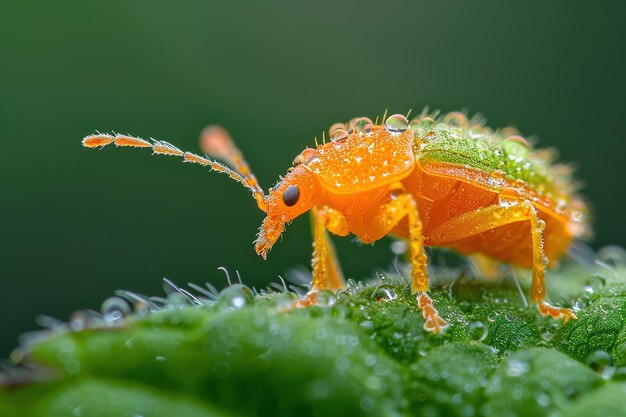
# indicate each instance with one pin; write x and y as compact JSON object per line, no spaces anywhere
{"x":114,"y":309}
{"x":599,"y":360}
{"x":477,"y":330}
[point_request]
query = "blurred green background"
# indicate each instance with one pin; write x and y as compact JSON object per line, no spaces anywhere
{"x":78,"y":224}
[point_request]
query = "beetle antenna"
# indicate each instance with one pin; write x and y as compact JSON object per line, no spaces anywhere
{"x":164,"y":148}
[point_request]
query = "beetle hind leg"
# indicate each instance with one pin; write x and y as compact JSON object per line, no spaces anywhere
{"x":538,"y":289}
{"x":491,"y":217}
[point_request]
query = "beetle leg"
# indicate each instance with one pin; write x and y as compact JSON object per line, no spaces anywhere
{"x":489,"y":218}
{"x":327,"y":273}
{"x":402,"y":205}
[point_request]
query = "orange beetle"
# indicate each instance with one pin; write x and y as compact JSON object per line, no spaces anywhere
{"x":443,"y":181}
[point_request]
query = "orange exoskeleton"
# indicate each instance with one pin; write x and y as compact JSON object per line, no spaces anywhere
{"x":443,"y":181}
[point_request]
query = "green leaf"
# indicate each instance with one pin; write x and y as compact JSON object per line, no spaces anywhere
{"x":361,"y":352}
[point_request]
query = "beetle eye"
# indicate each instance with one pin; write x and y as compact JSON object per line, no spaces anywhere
{"x":291,"y":195}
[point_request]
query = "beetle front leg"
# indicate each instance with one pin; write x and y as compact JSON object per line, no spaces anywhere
{"x":327,"y":273}
{"x":400,"y":205}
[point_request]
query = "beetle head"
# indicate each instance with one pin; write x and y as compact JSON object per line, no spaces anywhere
{"x":291,"y":197}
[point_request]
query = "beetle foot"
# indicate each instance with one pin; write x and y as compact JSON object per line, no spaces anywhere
{"x":556,"y":312}
{"x":433,"y":322}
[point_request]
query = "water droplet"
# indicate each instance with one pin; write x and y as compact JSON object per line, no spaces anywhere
{"x":367,"y":403}
{"x":114,"y":309}
{"x":542,"y":399}
{"x":599,"y":360}
{"x":384,"y":292}
{"x":79,"y":320}
{"x":72,"y":366}
{"x":363,"y":124}
{"x":516,"y":146}
{"x":286,"y":300}
{"x":613,"y":255}
{"x":596,"y":282}
{"x":235,"y":296}
{"x":619,"y":374}
{"x":352,"y":286}
{"x":367,"y":325}
{"x":477,"y":330}
{"x":427,"y":122}
{"x":339,"y":134}
{"x":305,"y":156}
{"x":176,"y":300}
{"x":517,"y":368}
{"x":456,"y":119}
{"x":399,"y":247}
{"x":608,"y":372}
{"x":334,"y":127}
{"x":351,"y":125}
{"x":541,"y":225}
{"x":325,"y":298}
{"x":396,"y":123}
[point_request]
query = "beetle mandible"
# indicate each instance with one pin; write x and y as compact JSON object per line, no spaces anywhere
{"x":435,"y":181}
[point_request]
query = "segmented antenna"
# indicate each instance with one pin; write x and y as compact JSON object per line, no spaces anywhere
{"x":241,"y":173}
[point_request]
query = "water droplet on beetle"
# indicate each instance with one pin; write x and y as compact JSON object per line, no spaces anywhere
{"x":334,"y":127}
{"x":456,"y":119}
{"x":497,"y":175}
{"x":516,"y":146}
{"x":427,"y":122}
{"x":363,"y":124}
{"x":541,"y":225}
{"x":351,"y":125}
{"x":305,"y":156}
{"x":114,"y":309}
{"x":396,"y":123}
{"x":338,"y":134}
